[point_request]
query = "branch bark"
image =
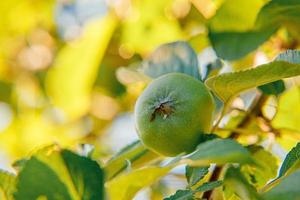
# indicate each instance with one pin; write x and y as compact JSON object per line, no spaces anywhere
{"x":253,"y":111}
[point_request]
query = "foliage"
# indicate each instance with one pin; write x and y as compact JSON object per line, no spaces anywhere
{"x":70,"y":71}
{"x":189,"y":194}
{"x":67,"y":176}
{"x":228,"y":85}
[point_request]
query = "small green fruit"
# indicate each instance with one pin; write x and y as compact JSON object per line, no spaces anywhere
{"x":172,"y":112}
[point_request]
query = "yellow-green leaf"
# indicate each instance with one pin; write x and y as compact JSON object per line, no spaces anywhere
{"x":287,"y":189}
{"x":233,"y":41}
{"x":126,"y":186}
{"x":219,"y":151}
{"x":236,"y":186}
{"x":264,"y":171}
{"x":291,"y":161}
{"x":136,"y":153}
{"x":228,"y":85}
{"x":232,"y":15}
{"x":59,"y":174}
{"x":70,"y":80}
{"x":7,"y":185}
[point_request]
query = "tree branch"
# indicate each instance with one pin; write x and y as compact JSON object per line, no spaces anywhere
{"x":254,"y":110}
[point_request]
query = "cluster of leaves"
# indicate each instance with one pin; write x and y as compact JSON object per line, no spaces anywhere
{"x":55,"y":173}
{"x":244,"y":171}
{"x":66,"y":175}
{"x":250,"y":179}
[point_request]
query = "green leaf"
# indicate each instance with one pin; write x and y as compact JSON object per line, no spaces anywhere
{"x":37,"y":179}
{"x":227,"y":41}
{"x":172,"y":57}
{"x":274,"y":88}
{"x":209,"y":186}
{"x":5,"y":91}
{"x":195,"y":174}
{"x":167,"y":58}
{"x":189,"y":194}
{"x":288,"y":111}
{"x":235,"y":184}
{"x":235,"y":45}
{"x":182,"y":195}
{"x":59,"y":174}
{"x":86,"y":175}
{"x":219,"y":151}
{"x":235,"y":15}
{"x":228,"y":85}
{"x":7,"y":185}
{"x":127,"y":185}
{"x":135,"y":152}
{"x":287,"y":189}
{"x":232,"y":24}
{"x":292,"y":158}
{"x":264,"y":171}
{"x":279,"y":13}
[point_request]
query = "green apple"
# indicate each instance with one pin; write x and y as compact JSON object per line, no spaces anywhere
{"x":172,"y":113}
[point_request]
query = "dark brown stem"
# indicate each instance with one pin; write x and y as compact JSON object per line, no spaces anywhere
{"x":214,"y":177}
{"x":253,"y":111}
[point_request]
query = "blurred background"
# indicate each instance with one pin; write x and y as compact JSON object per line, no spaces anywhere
{"x":58,"y":63}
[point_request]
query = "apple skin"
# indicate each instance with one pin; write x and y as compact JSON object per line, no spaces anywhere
{"x":172,"y":113}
